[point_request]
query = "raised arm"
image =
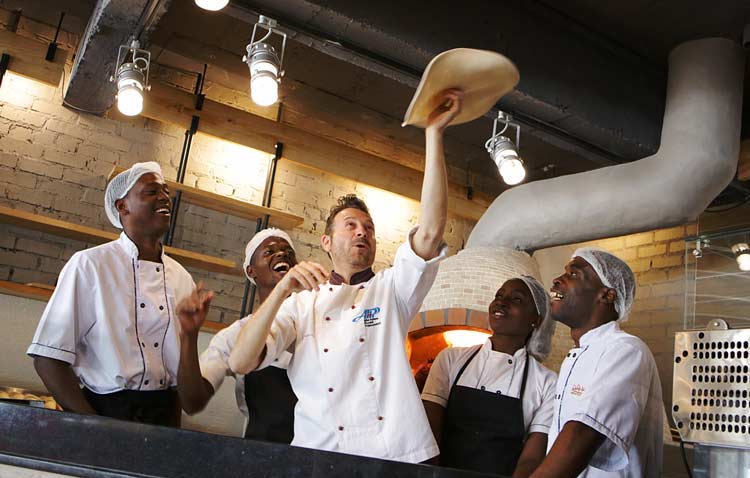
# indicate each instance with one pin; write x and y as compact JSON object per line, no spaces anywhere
{"x":434,"y":200}
{"x":250,"y":349}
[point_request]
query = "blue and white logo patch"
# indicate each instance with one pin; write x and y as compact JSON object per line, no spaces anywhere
{"x":370,"y":317}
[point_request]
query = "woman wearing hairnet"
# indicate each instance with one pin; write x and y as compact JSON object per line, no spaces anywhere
{"x":490,"y":406}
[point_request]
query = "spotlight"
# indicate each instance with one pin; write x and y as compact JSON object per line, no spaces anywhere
{"x":264,"y":63}
{"x":504,"y":152}
{"x":131,"y":76}
{"x":742,"y":255}
{"x":212,"y":5}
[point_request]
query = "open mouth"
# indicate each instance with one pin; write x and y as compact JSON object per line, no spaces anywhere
{"x":498,"y":313}
{"x":281,"y":267}
{"x":164,"y":211}
{"x":556,"y":296}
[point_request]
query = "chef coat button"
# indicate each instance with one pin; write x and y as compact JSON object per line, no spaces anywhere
{"x":568,"y":354}
{"x":143,"y":344}
{"x":328,"y":318}
{"x":156,"y":344}
{"x":330,"y":289}
{"x":499,"y":392}
{"x":143,"y":305}
{"x":161,"y":382}
{"x":510,"y":361}
{"x":161,"y":307}
{"x":372,"y":379}
{"x":325,"y":350}
{"x":574,"y":355}
{"x":482,"y":387}
{"x":157,"y":269}
{"x":361,"y":287}
{"x":341,"y":429}
{"x":354,"y":306}
{"x":361,"y":339}
{"x":380,"y":418}
{"x":145,"y":382}
{"x":330,"y":389}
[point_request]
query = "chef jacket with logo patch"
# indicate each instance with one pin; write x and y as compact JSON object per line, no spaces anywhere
{"x":112,"y":318}
{"x":349,"y":369}
{"x":611,"y":384}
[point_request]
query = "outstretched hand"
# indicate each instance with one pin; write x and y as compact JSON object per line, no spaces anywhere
{"x":448,"y":109}
{"x":192,"y":310}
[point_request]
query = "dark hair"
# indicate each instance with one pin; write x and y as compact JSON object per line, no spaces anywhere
{"x":344,"y":202}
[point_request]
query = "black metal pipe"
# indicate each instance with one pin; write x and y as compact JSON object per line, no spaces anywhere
{"x":4,"y":61}
{"x":52,"y":47}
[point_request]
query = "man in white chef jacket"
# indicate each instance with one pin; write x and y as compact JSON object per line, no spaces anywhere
{"x":608,"y":407}
{"x":107,"y":341}
{"x":346,"y":329}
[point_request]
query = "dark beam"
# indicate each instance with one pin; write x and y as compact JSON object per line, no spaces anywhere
{"x":112,"y":23}
{"x":576,"y":87}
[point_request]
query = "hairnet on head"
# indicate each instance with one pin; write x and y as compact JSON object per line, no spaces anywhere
{"x":540,"y":342}
{"x":256,"y":241}
{"x":121,"y":184}
{"x":615,"y":274}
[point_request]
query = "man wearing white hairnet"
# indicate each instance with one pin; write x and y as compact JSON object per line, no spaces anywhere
{"x":608,"y":405}
{"x":490,"y":406}
{"x":265,"y":397}
{"x":107,"y":341}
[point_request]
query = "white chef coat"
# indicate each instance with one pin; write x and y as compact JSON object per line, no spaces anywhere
{"x":349,"y":368}
{"x":611,"y":384}
{"x":495,"y":372}
{"x":112,"y":318}
{"x":214,"y":361}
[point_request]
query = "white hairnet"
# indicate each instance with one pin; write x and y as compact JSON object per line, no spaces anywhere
{"x":540,"y":342}
{"x":615,"y":274}
{"x":121,"y":184}
{"x":256,"y":241}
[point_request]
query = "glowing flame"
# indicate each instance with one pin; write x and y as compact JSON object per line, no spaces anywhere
{"x":464,"y":338}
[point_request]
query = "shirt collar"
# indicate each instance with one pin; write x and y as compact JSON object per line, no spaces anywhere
{"x":488,"y":352}
{"x":130,"y":248}
{"x":598,"y":333}
{"x":358,"y":278}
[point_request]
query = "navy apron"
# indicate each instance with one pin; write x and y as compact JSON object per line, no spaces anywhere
{"x":157,"y":407}
{"x":483,"y":431}
{"x":270,"y":403}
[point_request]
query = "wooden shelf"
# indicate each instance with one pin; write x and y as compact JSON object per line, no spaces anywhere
{"x":227,"y":205}
{"x":43,"y":292}
{"x":89,"y":234}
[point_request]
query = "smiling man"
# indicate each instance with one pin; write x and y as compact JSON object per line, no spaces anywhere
{"x":608,"y":408}
{"x":107,"y":341}
{"x":347,"y":328}
{"x":265,"y":397}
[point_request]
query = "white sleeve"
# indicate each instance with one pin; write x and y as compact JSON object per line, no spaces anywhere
{"x":541,"y":419}
{"x":68,"y":316}
{"x":615,"y":402}
{"x":413,"y":277}
{"x":214,"y":361}
{"x":437,"y":388}
{"x":283,"y":332}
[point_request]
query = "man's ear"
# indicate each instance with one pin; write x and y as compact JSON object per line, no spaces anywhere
{"x":251,"y":272}
{"x":608,"y":295}
{"x":121,"y":206}
{"x":325,"y":242}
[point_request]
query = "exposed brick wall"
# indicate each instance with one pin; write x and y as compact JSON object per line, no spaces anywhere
{"x":53,"y":161}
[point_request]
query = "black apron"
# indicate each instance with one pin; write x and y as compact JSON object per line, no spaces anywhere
{"x":157,"y":407}
{"x":483,"y":431}
{"x":270,"y":403}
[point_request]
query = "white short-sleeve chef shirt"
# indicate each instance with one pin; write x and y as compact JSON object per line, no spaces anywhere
{"x":349,"y":368}
{"x":611,"y":384}
{"x":112,"y":318}
{"x":495,"y":372}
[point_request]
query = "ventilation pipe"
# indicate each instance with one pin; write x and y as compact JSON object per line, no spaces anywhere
{"x":697,"y":159}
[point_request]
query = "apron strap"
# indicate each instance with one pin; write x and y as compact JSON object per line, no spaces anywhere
{"x":460,"y":372}
{"x":525,"y":375}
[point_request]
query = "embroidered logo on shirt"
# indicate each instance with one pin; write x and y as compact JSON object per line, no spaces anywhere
{"x":577,"y":390}
{"x":370,"y":317}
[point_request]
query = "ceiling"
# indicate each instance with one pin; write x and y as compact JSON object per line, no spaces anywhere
{"x":593,"y":73}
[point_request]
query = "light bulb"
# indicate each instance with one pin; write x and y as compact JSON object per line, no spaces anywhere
{"x":512,"y":171}
{"x":212,"y":5}
{"x":264,"y":90}
{"x":130,"y":100}
{"x":743,"y":261}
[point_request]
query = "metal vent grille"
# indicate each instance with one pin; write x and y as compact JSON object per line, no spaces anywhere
{"x":711,"y":389}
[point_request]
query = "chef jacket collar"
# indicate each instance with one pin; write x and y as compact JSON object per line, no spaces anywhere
{"x":130,"y":248}
{"x":488,"y":352}
{"x":598,"y":333}
{"x":357,"y":278}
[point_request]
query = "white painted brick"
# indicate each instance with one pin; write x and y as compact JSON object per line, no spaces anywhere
{"x":22,"y":148}
{"x":67,"y":128}
{"x":47,"y":249}
{"x":42,"y":168}
{"x":24,"y":116}
{"x":83,"y":179}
